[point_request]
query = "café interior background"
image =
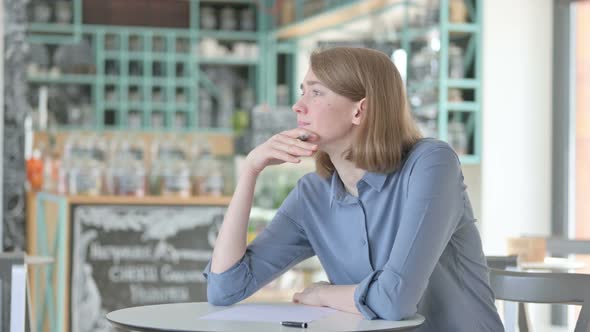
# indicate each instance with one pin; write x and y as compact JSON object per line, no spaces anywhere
{"x":121,"y":114}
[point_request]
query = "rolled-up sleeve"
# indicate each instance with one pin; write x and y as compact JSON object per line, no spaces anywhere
{"x":281,"y":245}
{"x":230,"y":286}
{"x":434,"y":205}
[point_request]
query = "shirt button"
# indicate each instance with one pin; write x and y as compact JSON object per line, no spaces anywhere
{"x":363,"y":242}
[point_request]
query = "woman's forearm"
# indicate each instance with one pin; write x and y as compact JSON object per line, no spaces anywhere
{"x":340,"y":297}
{"x":230,"y":245}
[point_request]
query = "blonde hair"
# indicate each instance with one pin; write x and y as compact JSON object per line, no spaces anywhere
{"x":387,"y":131}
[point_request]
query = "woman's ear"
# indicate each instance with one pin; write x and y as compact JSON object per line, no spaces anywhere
{"x":361,"y":107}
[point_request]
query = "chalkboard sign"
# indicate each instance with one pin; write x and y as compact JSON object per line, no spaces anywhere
{"x":125,"y":256}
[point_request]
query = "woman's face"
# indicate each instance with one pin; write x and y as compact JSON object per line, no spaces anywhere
{"x":327,"y":114}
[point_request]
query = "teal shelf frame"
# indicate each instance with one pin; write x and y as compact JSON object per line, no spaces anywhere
{"x":230,"y":61}
{"x":262,"y":71}
{"x":469,"y":111}
{"x":139,"y":66}
{"x":473,"y":53}
{"x":448,"y":109}
{"x":58,"y":33}
{"x":62,"y":79}
{"x":229,"y":35}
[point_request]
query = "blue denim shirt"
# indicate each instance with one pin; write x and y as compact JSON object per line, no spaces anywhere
{"x":408,"y":241}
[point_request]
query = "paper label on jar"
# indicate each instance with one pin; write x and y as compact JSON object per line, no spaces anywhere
{"x":130,"y":184}
{"x":176,"y":183}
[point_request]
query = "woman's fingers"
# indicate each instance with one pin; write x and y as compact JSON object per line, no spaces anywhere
{"x":284,"y":156}
{"x":301,"y":134}
{"x":294,"y":146}
{"x":286,"y":146}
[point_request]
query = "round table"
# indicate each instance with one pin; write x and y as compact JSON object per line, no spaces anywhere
{"x":185,"y":317}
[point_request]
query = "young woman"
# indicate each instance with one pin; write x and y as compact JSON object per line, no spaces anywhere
{"x":386,"y":211}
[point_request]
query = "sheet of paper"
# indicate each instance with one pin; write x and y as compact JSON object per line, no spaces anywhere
{"x":271,"y":313}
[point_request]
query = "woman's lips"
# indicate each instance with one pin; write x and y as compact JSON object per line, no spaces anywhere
{"x":302,"y":124}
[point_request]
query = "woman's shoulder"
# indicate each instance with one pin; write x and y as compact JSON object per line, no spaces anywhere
{"x":314,"y":181}
{"x":310,"y":190}
{"x":427,"y":146}
{"x":430,"y":149}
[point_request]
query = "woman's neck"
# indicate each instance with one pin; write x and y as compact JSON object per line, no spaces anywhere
{"x":348,"y":172}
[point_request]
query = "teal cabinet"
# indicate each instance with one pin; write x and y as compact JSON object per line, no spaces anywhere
{"x":437,"y":45}
{"x":149,"y":78}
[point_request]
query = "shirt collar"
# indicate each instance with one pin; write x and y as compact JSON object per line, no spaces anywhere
{"x":338,"y":192}
{"x":375,"y":180}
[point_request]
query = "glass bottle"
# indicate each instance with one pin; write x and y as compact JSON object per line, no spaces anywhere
{"x":51,"y":167}
{"x":34,"y":170}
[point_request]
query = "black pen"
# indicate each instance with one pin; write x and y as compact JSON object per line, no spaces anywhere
{"x":302,"y":325}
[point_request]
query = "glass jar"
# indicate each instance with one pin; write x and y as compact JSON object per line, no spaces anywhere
{"x":63,"y":12}
{"x":456,"y":63}
{"x":228,"y":18}
{"x":170,"y":173}
{"x":201,"y":168}
{"x":215,"y":182}
{"x":176,"y":180}
{"x":41,"y":12}
{"x":458,"y":137}
{"x":155,"y":179}
{"x":208,"y":18}
{"x":205,"y":109}
{"x":247,"y":19}
{"x":85,"y":178}
{"x":130,"y":180}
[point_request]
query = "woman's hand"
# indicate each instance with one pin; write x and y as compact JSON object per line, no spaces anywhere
{"x":282,"y":147}
{"x":311,"y":295}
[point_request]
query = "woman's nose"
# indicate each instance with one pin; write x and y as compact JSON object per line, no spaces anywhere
{"x":298,"y":107}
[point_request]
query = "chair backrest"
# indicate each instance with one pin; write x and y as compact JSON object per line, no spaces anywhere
{"x":563,"y":246}
{"x":558,"y":288}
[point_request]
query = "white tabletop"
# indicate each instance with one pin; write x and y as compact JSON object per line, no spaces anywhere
{"x":553,"y":264}
{"x":184,"y":317}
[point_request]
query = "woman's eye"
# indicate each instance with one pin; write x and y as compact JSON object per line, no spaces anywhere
{"x":313,"y":93}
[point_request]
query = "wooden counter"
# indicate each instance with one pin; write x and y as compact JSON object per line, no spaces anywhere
{"x":148,"y":200}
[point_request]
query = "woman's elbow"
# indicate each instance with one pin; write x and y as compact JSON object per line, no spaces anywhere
{"x":218,"y":299}
{"x":396,"y":313}
{"x":388,"y":309}
{"x":392,"y":299}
